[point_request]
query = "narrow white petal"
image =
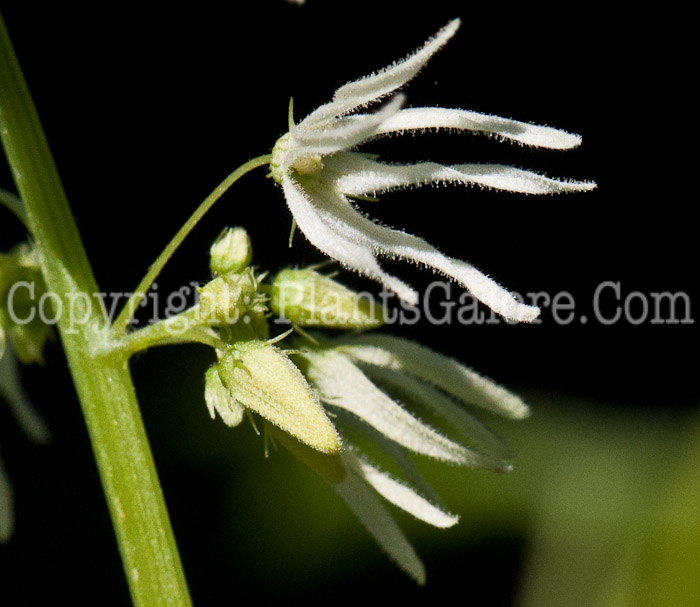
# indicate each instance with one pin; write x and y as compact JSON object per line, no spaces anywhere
{"x":336,"y":136}
{"x":335,"y":234}
{"x":343,"y":133}
{"x":399,"y":494}
{"x":341,"y":384}
{"x":392,"y":451}
{"x":367,"y":507}
{"x":452,"y":412}
{"x":356,"y":175}
{"x":511,"y":179}
{"x":435,"y":368}
{"x":514,"y":130}
{"x":349,"y":224}
{"x":371,"y":88}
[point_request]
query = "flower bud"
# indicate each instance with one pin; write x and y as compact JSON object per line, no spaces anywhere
{"x":262,"y":378}
{"x":226,"y":299}
{"x":231,"y":252}
{"x":309,"y":299}
{"x":218,"y":398}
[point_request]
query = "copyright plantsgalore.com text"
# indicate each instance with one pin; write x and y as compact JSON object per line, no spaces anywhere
{"x":442,"y":303}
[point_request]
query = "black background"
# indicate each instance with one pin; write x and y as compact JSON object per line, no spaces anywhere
{"x":147,"y":110}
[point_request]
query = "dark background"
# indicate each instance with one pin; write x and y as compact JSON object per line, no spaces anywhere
{"x":147,"y":111}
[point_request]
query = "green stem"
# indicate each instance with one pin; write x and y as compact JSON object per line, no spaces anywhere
{"x":128,"y":310}
{"x":104,"y":385}
{"x":186,"y":327}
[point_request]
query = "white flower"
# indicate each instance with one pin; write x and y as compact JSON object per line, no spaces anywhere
{"x":358,"y":378}
{"x":319,"y":173}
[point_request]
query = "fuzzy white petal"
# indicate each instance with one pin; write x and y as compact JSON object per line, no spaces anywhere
{"x":367,"y":507}
{"x":399,"y":494}
{"x":341,"y":384}
{"x":392,"y":451}
{"x":452,"y":412}
{"x":448,"y":118}
{"x":338,"y":135}
{"x":349,"y":224}
{"x":356,"y":175}
{"x":345,"y":133}
{"x":371,"y":88}
{"x":435,"y":368}
{"x":315,"y":213}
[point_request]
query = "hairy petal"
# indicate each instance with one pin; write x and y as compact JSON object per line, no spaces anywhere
{"x":335,"y":235}
{"x":394,"y":452}
{"x":351,"y":225}
{"x":341,"y":384}
{"x":364,"y":91}
{"x":356,"y":175}
{"x":448,"y":118}
{"x":343,"y":134}
{"x":451,"y":411}
{"x":435,"y":368}
{"x":399,"y":494}
{"x":367,"y":507}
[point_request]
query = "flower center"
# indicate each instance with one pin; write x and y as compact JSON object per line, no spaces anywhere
{"x":305,"y":165}
{"x":308,"y":164}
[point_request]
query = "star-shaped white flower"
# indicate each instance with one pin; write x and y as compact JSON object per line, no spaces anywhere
{"x":320,"y":173}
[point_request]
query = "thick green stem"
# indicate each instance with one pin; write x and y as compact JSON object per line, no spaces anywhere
{"x":104,"y":385}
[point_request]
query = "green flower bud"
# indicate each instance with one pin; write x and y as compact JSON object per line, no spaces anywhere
{"x":231,"y":252}
{"x":218,"y":398}
{"x":227,"y":299}
{"x":309,"y":299}
{"x":262,"y":378}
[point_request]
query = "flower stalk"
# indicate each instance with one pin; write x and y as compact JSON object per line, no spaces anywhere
{"x":120,"y":324}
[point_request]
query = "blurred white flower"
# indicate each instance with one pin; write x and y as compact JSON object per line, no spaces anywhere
{"x":319,"y":173}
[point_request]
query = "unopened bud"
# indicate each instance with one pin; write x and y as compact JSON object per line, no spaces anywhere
{"x":309,"y":299}
{"x":231,"y":252}
{"x":262,"y":378}
{"x":226,"y":299}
